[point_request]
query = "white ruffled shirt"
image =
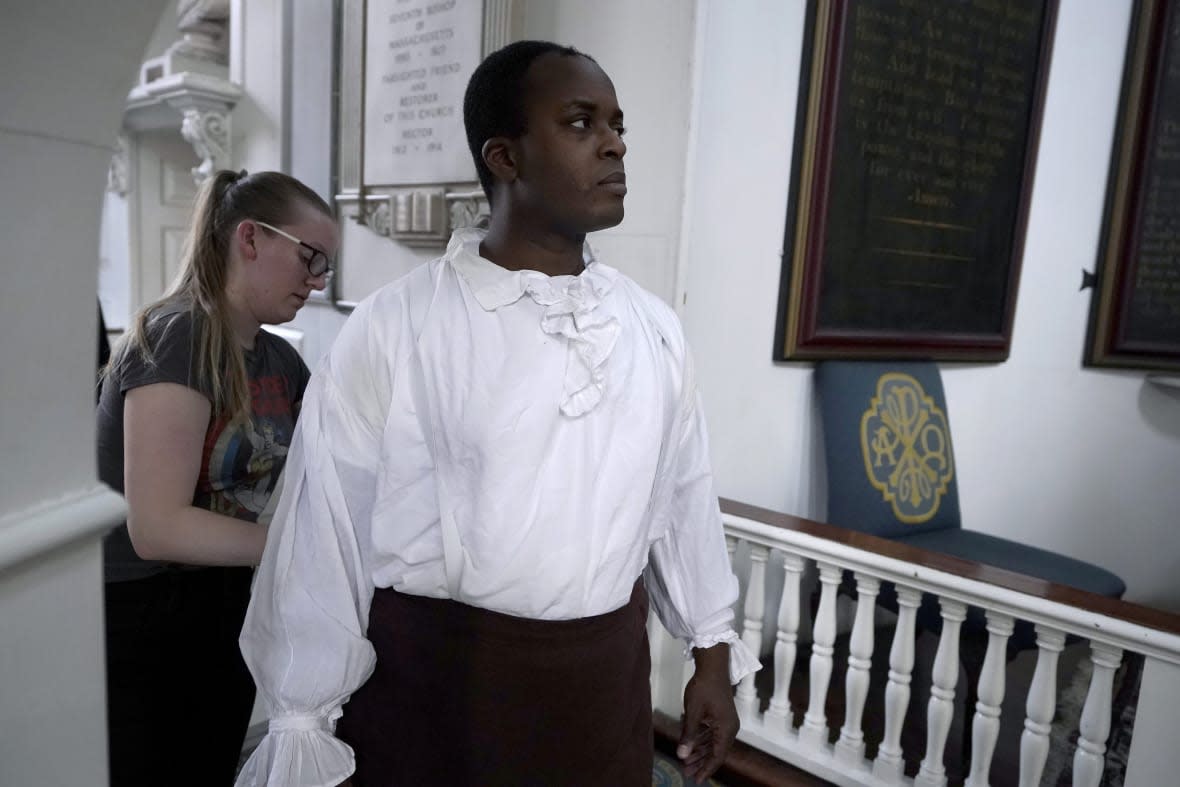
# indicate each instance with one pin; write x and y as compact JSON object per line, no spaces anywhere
{"x":521,"y":443}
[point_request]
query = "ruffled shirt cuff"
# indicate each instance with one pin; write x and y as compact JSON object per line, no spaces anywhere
{"x":742,"y":661}
{"x":299,"y":751}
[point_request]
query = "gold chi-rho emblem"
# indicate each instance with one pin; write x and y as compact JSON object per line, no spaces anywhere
{"x":907,"y":448}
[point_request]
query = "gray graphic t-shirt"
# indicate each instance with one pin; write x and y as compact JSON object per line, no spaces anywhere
{"x":241,"y":460}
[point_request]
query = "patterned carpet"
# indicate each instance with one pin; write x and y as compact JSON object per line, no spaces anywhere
{"x":666,"y":773}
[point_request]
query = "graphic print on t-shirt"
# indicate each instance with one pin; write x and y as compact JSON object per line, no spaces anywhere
{"x":243,"y":458}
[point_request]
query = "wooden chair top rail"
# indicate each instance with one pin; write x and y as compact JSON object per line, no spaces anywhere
{"x":1021,"y":583}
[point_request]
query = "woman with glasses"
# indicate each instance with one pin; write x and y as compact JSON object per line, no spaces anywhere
{"x":197,"y":409}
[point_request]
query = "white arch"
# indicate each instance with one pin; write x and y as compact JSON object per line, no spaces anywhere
{"x":68,"y":67}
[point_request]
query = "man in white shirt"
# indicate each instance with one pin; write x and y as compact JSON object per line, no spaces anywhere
{"x":501,"y":459}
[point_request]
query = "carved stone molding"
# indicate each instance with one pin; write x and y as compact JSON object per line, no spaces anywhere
{"x":377,"y":214}
{"x":187,"y":88}
{"x":422,"y":216}
{"x":205,"y":25}
{"x":203,"y":47}
{"x":497,"y":24}
{"x":207,"y":130}
{"x":468,"y":209}
{"x":196,"y":105}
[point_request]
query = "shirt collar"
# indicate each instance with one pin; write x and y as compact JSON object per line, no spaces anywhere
{"x":494,"y":286}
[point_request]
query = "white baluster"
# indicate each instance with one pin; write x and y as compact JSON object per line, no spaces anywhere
{"x":1042,"y":701}
{"x":786,"y":638}
{"x":986,"y":728}
{"x":814,"y":732}
{"x":1095,"y":725}
{"x":850,"y":749}
{"x":747,"y":695}
{"x":941,"y":709}
{"x":887,"y":768}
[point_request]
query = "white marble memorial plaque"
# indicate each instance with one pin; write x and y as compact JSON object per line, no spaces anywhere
{"x":419,"y":55}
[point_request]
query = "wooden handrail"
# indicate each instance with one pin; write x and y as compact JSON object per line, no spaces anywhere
{"x":969,"y":569}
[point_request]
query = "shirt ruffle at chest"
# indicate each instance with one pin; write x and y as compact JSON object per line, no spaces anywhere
{"x":573,"y":309}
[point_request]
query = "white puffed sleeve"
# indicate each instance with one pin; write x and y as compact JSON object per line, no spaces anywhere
{"x":304,"y":638}
{"x":689,"y":578}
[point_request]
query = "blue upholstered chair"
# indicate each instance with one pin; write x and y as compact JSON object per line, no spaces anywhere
{"x":891,"y":471}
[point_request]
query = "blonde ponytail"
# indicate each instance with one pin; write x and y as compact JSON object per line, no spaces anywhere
{"x":224,"y":200}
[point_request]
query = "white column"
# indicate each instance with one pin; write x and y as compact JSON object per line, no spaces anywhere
{"x":814,"y":731}
{"x":887,"y":768}
{"x":986,"y":728}
{"x":256,"y":63}
{"x":747,"y":696}
{"x":67,"y":69}
{"x":778,"y":716}
{"x":942,"y":695}
{"x":1042,"y":701}
{"x":850,"y":749}
{"x":1095,"y":724}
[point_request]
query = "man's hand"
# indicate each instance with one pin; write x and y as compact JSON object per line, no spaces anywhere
{"x":710,"y":718}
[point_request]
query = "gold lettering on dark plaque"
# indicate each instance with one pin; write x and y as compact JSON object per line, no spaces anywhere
{"x":1155,"y":289}
{"x":935,"y":103}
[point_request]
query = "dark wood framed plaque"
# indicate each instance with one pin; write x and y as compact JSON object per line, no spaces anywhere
{"x":914,"y":153}
{"x":1135,"y":311}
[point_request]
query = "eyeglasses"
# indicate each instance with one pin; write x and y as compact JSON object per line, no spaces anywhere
{"x":317,"y":264}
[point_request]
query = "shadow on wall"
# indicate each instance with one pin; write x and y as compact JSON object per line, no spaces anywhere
{"x":1159,"y":404}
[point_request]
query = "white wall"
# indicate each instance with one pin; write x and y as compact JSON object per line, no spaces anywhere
{"x":67,"y":69}
{"x":1071,"y":459}
{"x":647,"y":50}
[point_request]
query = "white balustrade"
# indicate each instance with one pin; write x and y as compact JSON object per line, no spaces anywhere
{"x":814,"y":732}
{"x":1095,"y":725}
{"x":1039,"y":707}
{"x":778,"y":715}
{"x":941,"y":709}
{"x":887,"y":768}
{"x":986,"y":728}
{"x":845,"y":763}
{"x":747,"y":697}
{"x":850,"y":748}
